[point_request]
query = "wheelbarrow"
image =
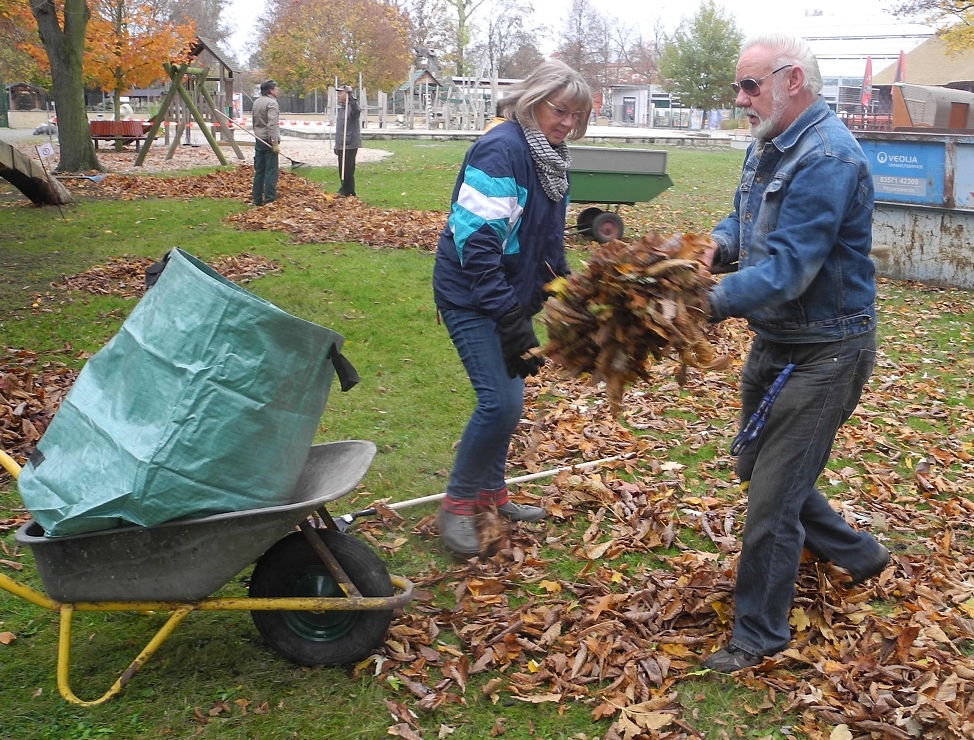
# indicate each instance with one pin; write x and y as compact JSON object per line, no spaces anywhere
{"x":318,"y":596}
{"x":616,"y":177}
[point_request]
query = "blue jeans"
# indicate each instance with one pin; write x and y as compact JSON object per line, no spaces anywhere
{"x":265,"y":174}
{"x":482,"y":454}
{"x":785,"y":511}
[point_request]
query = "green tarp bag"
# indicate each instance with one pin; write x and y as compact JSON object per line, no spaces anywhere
{"x":206,"y":401}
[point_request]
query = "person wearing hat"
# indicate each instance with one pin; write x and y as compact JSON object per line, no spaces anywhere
{"x":348,"y":138}
{"x":267,"y":130}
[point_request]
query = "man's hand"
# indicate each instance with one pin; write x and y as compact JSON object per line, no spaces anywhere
{"x":707,"y":257}
{"x":275,"y":148}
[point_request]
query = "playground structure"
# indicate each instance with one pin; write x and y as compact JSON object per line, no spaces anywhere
{"x":425,"y":105}
{"x":187,"y":102}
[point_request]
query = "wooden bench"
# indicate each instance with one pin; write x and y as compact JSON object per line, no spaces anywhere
{"x":124,"y":131}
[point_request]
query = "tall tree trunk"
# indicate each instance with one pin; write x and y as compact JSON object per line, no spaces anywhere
{"x":64,"y":48}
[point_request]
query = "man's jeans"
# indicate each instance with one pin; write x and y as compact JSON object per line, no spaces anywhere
{"x":784,"y":509}
{"x":265,"y":174}
{"x":482,"y":453}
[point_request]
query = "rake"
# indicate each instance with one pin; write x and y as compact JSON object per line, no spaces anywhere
{"x":295,"y":163}
{"x":345,"y":521}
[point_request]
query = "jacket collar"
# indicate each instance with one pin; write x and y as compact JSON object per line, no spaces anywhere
{"x":809,"y":117}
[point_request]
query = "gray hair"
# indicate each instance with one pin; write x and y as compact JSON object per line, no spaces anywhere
{"x":787,"y":49}
{"x":550,"y":78}
{"x":267,"y":86}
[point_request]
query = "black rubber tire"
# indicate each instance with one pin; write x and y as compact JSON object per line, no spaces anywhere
{"x":292,"y":568}
{"x":585,"y":218}
{"x":606,"y":227}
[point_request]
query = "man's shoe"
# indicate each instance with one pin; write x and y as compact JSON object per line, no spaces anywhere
{"x":459,"y":533}
{"x":731,"y":659}
{"x":877,"y":567}
{"x":521,"y":512}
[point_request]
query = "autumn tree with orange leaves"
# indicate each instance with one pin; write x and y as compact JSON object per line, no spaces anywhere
{"x":127,"y":44}
{"x":19,"y":33}
{"x":307,"y":45}
{"x":62,"y":27}
{"x":115,"y":44}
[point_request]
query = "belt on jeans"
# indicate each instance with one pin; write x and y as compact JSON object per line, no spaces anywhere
{"x":752,"y":430}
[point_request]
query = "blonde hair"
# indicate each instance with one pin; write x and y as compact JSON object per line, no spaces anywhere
{"x":553,"y":77}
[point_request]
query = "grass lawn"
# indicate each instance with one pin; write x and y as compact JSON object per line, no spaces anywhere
{"x":650,"y":542}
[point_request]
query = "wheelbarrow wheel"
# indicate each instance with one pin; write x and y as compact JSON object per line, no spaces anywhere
{"x":606,"y":227}
{"x":292,"y":568}
{"x":583,"y":222}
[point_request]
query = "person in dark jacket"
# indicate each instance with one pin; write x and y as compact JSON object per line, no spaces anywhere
{"x":348,"y":138}
{"x":801,"y":232}
{"x":267,"y":130}
{"x":503,"y":242}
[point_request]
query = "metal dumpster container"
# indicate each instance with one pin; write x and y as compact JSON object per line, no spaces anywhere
{"x":923,"y":224}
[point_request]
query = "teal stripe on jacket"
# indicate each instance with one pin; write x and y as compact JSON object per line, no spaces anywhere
{"x":496,"y":202}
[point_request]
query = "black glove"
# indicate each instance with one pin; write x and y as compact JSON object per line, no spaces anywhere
{"x":517,"y":337}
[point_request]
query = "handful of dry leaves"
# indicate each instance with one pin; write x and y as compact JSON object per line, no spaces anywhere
{"x":632,"y":301}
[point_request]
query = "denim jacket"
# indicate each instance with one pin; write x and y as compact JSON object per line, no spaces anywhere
{"x":801,"y":232}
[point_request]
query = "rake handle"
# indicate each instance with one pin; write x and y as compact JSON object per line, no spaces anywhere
{"x":349,"y":518}
{"x":248,"y":131}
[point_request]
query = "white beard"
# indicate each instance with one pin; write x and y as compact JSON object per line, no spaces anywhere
{"x":765,"y":126}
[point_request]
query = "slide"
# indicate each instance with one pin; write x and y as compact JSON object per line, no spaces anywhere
{"x":30,"y":178}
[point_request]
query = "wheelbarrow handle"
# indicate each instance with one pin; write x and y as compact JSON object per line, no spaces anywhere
{"x":9,"y":464}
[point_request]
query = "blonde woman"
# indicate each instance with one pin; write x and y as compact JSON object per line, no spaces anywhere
{"x":503,"y":241}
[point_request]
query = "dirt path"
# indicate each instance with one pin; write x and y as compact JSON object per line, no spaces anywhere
{"x":184,"y":157}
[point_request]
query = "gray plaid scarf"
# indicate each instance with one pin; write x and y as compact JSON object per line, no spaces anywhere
{"x":551,"y":163}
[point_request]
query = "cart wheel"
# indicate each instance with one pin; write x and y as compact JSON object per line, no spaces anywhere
{"x":606,"y":227}
{"x":292,"y":568}
{"x":585,"y":218}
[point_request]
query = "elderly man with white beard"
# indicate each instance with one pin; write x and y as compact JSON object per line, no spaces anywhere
{"x":800,"y":232}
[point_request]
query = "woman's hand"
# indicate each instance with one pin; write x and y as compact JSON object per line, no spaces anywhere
{"x":517,"y":338}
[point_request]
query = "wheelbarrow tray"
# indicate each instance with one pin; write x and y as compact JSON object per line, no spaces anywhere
{"x":187,"y":560}
{"x":623,"y":176}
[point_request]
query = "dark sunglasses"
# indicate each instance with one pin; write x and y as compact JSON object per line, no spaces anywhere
{"x":752,"y":86}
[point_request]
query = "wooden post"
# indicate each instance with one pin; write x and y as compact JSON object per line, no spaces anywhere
{"x":221,"y":123}
{"x":175,"y":75}
{"x":409,"y":100}
{"x":198,"y":117}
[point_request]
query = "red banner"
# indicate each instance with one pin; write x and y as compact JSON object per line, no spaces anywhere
{"x":867,"y":84}
{"x":900,"y":75}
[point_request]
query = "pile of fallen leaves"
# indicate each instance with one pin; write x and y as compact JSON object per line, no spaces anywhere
{"x":30,"y":393}
{"x":125,"y":275}
{"x":612,"y":604}
{"x":890,"y":659}
{"x":633,"y":302}
{"x":301,"y":210}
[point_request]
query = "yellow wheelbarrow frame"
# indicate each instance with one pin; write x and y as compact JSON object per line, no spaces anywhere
{"x":353,"y":601}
